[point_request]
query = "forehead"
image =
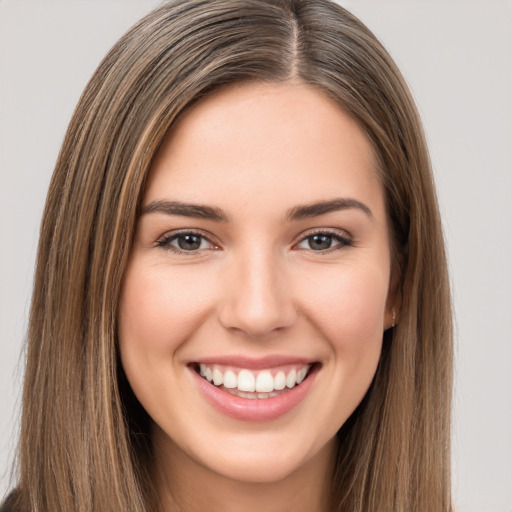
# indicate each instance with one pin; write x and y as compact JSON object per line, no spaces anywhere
{"x":286,"y":143}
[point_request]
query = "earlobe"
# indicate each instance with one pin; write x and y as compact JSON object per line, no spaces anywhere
{"x":394,"y":301}
{"x":390,"y":319}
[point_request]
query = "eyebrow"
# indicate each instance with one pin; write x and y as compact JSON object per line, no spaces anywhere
{"x":323,"y":207}
{"x":199,"y":211}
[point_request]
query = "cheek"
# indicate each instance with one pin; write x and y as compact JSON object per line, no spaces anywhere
{"x":159,"y":309}
{"x":349,"y":308}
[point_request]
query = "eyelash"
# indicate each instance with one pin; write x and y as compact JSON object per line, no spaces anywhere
{"x":165,"y":241}
{"x":343,"y":241}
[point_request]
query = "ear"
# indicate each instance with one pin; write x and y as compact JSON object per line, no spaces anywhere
{"x":394,"y":300}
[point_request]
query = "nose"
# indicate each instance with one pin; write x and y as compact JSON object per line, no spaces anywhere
{"x":259,"y":298}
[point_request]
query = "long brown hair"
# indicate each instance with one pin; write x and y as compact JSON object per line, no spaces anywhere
{"x":84,"y":443}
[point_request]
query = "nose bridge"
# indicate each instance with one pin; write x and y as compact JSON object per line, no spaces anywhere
{"x":259,"y":300}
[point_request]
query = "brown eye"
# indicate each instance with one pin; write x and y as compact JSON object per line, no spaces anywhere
{"x":324,"y":241}
{"x":186,"y":243}
{"x":319,"y":242}
{"x":189,"y":242}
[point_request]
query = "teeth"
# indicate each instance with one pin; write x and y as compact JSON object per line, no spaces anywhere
{"x":249,"y":384}
{"x":246,"y":381}
{"x":264,"y":382}
{"x":301,"y":375}
{"x":218,"y":378}
{"x":230,"y":380}
{"x":279,"y":381}
{"x":291,"y":379}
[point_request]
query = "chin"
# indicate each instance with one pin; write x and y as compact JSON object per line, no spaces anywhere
{"x":256,"y":470}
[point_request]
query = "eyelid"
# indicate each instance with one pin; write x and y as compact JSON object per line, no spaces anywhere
{"x":345,"y":238}
{"x":163,"y":241}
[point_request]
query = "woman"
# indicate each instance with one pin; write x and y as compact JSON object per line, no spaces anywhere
{"x":241,"y":298}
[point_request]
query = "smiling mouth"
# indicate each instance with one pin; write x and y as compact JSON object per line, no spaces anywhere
{"x":254,"y":384}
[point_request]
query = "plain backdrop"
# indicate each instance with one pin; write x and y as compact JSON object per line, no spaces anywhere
{"x":456,"y":56}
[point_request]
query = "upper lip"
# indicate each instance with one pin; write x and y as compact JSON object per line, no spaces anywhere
{"x":260,"y":363}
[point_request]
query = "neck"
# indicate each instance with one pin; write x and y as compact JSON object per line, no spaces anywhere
{"x":185,"y":485}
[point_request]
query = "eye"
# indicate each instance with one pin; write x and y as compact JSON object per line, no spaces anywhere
{"x":186,"y":242}
{"x":324,"y":241}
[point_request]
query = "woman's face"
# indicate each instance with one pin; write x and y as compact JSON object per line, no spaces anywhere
{"x":261,"y":259}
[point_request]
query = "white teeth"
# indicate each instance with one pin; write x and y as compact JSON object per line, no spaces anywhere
{"x":246,"y":381}
{"x":254,"y":384}
{"x":291,"y":379}
{"x":264,"y":382}
{"x":230,"y":380}
{"x":301,"y":375}
{"x":218,"y":378}
{"x":279,"y":381}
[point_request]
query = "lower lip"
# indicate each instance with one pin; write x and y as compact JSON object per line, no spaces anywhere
{"x":257,"y":409}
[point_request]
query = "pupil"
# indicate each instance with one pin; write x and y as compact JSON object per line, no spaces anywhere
{"x":320,"y":242}
{"x":189,"y":242}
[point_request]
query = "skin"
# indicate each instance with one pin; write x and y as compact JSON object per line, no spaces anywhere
{"x":256,"y":287}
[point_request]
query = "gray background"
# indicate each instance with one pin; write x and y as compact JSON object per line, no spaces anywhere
{"x":455,"y":54}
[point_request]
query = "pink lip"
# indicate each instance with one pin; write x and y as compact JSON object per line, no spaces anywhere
{"x":246,"y":409}
{"x":261,"y":363}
